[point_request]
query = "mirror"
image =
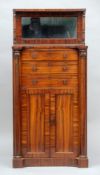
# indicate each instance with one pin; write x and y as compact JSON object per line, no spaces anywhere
{"x":49,"y":27}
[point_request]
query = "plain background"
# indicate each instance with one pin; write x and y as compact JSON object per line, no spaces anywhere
{"x":93,"y":41}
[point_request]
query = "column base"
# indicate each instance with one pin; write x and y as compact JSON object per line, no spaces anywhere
{"x":82,"y":162}
{"x":18,"y":162}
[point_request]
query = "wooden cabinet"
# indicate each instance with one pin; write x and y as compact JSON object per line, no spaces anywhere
{"x":49,"y":89}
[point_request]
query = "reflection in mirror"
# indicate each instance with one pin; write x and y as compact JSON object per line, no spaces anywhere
{"x":49,"y":27}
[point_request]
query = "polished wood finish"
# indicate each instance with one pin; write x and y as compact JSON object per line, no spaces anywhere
{"x":49,"y":98}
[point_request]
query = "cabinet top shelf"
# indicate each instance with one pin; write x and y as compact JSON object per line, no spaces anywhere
{"x":49,"y":10}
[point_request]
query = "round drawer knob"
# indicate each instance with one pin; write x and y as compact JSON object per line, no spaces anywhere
{"x":49,"y":64}
{"x":34,"y":82}
{"x":65,"y":68}
{"x":65,"y":55}
{"x":34,"y":55}
{"x":34,"y":68}
{"x":65,"y":82}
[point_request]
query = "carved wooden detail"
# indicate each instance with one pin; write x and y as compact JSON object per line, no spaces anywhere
{"x":83,"y":53}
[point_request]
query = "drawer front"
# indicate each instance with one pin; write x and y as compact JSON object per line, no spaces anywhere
{"x":33,"y":82}
{"x":70,"y":67}
{"x":49,"y":54}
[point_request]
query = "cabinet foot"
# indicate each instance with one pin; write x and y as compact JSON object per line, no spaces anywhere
{"x":82,"y":162}
{"x":18,"y":162}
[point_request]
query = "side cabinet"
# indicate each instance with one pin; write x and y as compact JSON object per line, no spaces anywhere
{"x":49,"y":104}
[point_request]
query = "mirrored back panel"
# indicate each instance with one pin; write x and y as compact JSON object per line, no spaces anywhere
{"x":49,"y":27}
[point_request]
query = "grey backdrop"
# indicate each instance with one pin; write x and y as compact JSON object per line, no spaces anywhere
{"x":92,"y":40}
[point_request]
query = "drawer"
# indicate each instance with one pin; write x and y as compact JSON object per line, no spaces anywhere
{"x":69,"y":67}
{"x":31,"y":82}
{"x":49,"y":54}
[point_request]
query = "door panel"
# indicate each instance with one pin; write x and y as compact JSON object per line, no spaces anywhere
{"x":63,"y":121}
{"x":36,"y":123}
{"x":61,"y":112}
{"x":37,"y":119}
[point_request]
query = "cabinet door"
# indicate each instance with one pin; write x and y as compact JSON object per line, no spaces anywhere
{"x":62,"y":126}
{"x":35,"y":123}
